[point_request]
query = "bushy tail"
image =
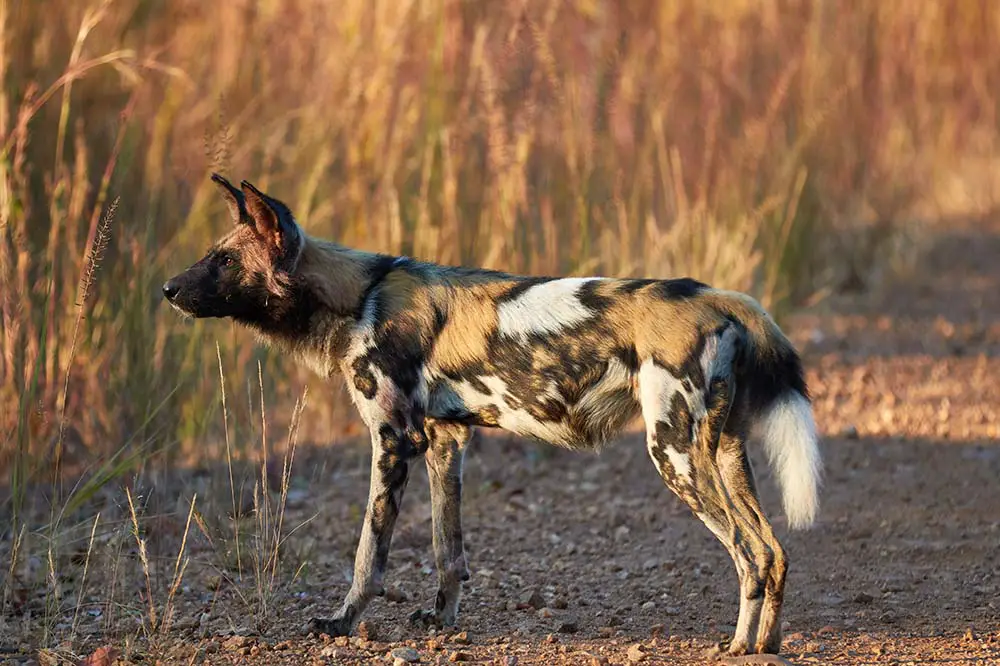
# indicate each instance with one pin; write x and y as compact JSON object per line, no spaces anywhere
{"x":778,"y":403}
{"x":789,"y":435}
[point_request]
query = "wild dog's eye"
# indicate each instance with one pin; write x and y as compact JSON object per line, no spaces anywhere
{"x":227,"y":260}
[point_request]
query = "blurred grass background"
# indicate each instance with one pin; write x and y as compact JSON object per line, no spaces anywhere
{"x":783,"y":147}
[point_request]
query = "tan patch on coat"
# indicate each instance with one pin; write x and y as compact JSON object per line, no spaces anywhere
{"x":472,"y":318}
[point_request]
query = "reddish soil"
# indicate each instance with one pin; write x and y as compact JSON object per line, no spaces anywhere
{"x":902,"y":566}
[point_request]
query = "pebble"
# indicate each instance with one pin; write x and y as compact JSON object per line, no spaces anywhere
{"x":396,"y":595}
{"x":863,"y":598}
{"x":657,"y":631}
{"x":649,"y":605}
{"x":235,"y":643}
{"x":568,"y":627}
{"x":531,"y":599}
{"x":341,"y":641}
{"x":405,"y":655}
{"x":635,"y":654}
{"x":458,"y":655}
{"x":330,"y":652}
{"x":511,"y":660}
{"x":367,"y":631}
{"x":545,"y":612}
{"x":462,"y":638}
{"x":605,"y":632}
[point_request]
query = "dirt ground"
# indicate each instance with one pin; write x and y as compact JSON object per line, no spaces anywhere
{"x":901,"y":568}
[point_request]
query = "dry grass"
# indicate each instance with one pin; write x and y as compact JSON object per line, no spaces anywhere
{"x":775,"y":147}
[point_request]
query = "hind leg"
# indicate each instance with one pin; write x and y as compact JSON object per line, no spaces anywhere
{"x":683,"y":427}
{"x":444,"y":470}
{"x":770,"y":556}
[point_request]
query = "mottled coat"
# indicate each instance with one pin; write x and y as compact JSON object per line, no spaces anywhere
{"x":429,"y":352}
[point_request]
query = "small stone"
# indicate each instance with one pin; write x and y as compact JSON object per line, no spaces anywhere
{"x":396,"y":595}
{"x":635,"y":654}
{"x":657,"y":631}
{"x":649,"y":605}
{"x":462,"y":638}
{"x":568,"y":627}
{"x":511,"y":660}
{"x":622,"y":532}
{"x":831,"y":600}
{"x":559,"y":603}
{"x":458,"y":655}
{"x":367,"y":631}
{"x":650,"y":564}
{"x":863,"y":598}
{"x":597,"y":659}
{"x":341,"y":641}
{"x":236,"y":643}
{"x":406,"y":655}
{"x":605,"y":632}
{"x":531,"y":599}
{"x":330,"y":652}
{"x":545,"y":612}
{"x":551,"y":638}
{"x":283,"y":645}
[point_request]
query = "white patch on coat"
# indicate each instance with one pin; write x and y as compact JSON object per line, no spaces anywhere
{"x":546,"y":308}
{"x":518,"y":421}
{"x":657,"y":387}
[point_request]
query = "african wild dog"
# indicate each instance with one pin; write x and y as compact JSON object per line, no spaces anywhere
{"x":429,"y":352}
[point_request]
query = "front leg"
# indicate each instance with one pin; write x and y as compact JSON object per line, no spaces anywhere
{"x":444,"y":471}
{"x":391,"y":456}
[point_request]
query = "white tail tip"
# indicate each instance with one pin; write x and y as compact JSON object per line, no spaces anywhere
{"x":788,"y":433}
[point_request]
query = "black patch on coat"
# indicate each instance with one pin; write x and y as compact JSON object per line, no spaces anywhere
{"x":628,"y":357}
{"x":632,"y":286}
{"x":364,"y":380}
{"x":588,"y":296}
{"x":678,"y":289}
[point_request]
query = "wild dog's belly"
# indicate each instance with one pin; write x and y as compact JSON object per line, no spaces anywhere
{"x":539,"y":408}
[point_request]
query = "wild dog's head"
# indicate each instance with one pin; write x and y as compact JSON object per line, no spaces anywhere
{"x":249,"y":273}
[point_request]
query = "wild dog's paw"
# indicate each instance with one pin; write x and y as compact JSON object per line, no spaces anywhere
{"x":430,"y":618}
{"x":735,"y":648}
{"x":333,"y":626}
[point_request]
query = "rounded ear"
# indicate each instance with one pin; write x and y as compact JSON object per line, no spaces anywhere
{"x":275,"y":225}
{"x":233,"y":198}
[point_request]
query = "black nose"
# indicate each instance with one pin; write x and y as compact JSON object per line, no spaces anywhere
{"x":170,"y":289}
